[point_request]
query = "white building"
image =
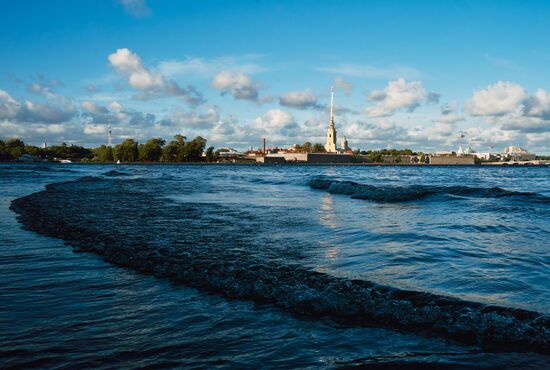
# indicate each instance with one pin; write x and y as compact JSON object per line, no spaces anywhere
{"x":485,"y":156}
{"x":467,"y":151}
{"x":517,"y":153}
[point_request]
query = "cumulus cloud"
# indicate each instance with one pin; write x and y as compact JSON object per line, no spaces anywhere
{"x":449,"y":114}
{"x":511,"y":106}
{"x":496,"y":100}
{"x":538,"y":105}
{"x":376,"y":133}
{"x":8,"y":105}
{"x":194,"y":120}
{"x":150,"y":84}
{"x":397,"y":95}
{"x":56,"y":109}
{"x":299,"y":99}
{"x":240,"y":85}
{"x":40,"y":89}
{"x":94,"y":108}
{"x":95,"y":129}
{"x":46,"y":113}
{"x":527,"y":125}
{"x":222,"y":129}
{"x":345,"y":86}
{"x":141,"y":119}
{"x":98,"y":113}
{"x":136,"y":8}
{"x":277,"y":122}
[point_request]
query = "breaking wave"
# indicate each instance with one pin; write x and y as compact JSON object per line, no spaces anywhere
{"x":114,"y":173}
{"x":415,"y":192}
{"x":219,"y":249}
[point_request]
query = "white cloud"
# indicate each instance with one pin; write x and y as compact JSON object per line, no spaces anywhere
{"x":45,"y":113}
{"x":240,"y":85}
{"x":399,"y":94}
{"x":449,"y":114}
{"x":151,"y":84}
{"x":299,"y":99}
{"x":274,"y":118}
{"x":369,"y":71}
{"x":194,"y":120}
{"x":496,"y":100}
{"x":41,"y":89}
{"x":131,"y":65}
{"x":538,"y":105}
{"x":93,"y":129}
{"x":8,"y":106}
{"x":92,"y":107}
{"x":209,"y":67}
{"x":378,"y":133}
{"x":118,"y":110}
{"x":345,"y":86}
{"x":137,"y":8}
{"x":527,"y":125}
{"x":278,"y":124}
{"x":512,"y":107}
{"x":222,"y":129}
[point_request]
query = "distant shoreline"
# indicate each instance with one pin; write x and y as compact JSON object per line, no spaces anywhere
{"x":489,"y":164}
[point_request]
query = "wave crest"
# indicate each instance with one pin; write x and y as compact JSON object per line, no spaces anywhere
{"x":414,"y":192}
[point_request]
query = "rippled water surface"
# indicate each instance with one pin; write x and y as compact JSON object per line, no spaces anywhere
{"x":292,"y":243}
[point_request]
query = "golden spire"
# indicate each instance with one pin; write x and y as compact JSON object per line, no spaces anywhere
{"x":331,"y":106}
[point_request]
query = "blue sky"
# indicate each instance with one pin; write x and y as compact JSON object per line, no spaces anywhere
{"x":407,"y":73}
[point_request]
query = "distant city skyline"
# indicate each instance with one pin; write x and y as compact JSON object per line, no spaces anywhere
{"x":406,"y":74}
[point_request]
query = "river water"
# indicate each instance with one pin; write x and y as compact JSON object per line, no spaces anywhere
{"x":274,"y":266}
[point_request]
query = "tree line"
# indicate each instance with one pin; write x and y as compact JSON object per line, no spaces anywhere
{"x":375,"y":156}
{"x":308,"y":147}
{"x":153,"y":150}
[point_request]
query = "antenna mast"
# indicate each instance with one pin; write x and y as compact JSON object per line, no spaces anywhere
{"x":110,"y":134}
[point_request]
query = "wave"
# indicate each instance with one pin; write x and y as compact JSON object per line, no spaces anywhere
{"x":270,"y":181}
{"x":415,"y":192}
{"x":114,"y":173}
{"x":36,"y":168}
{"x":224,"y":255}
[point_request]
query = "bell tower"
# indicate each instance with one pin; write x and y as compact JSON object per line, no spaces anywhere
{"x":330,"y":146}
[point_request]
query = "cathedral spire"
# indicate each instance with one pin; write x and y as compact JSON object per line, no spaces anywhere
{"x":332,"y":106}
{"x":330,"y":146}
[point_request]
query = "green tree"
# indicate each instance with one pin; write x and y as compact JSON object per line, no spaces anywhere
{"x":127,"y":151}
{"x":318,"y":148}
{"x":194,"y":149}
{"x":210,"y":154}
{"x":4,"y":155}
{"x":375,"y":157}
{"x":103,"y":153}
{"x":73,"y":152}
{"x":175,"y":150}
{"x":15,"y":148}
{"x":151,"y":151}
{"x":307,"y":147}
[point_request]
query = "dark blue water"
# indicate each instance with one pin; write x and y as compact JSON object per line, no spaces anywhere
{"x":260,"y":266}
